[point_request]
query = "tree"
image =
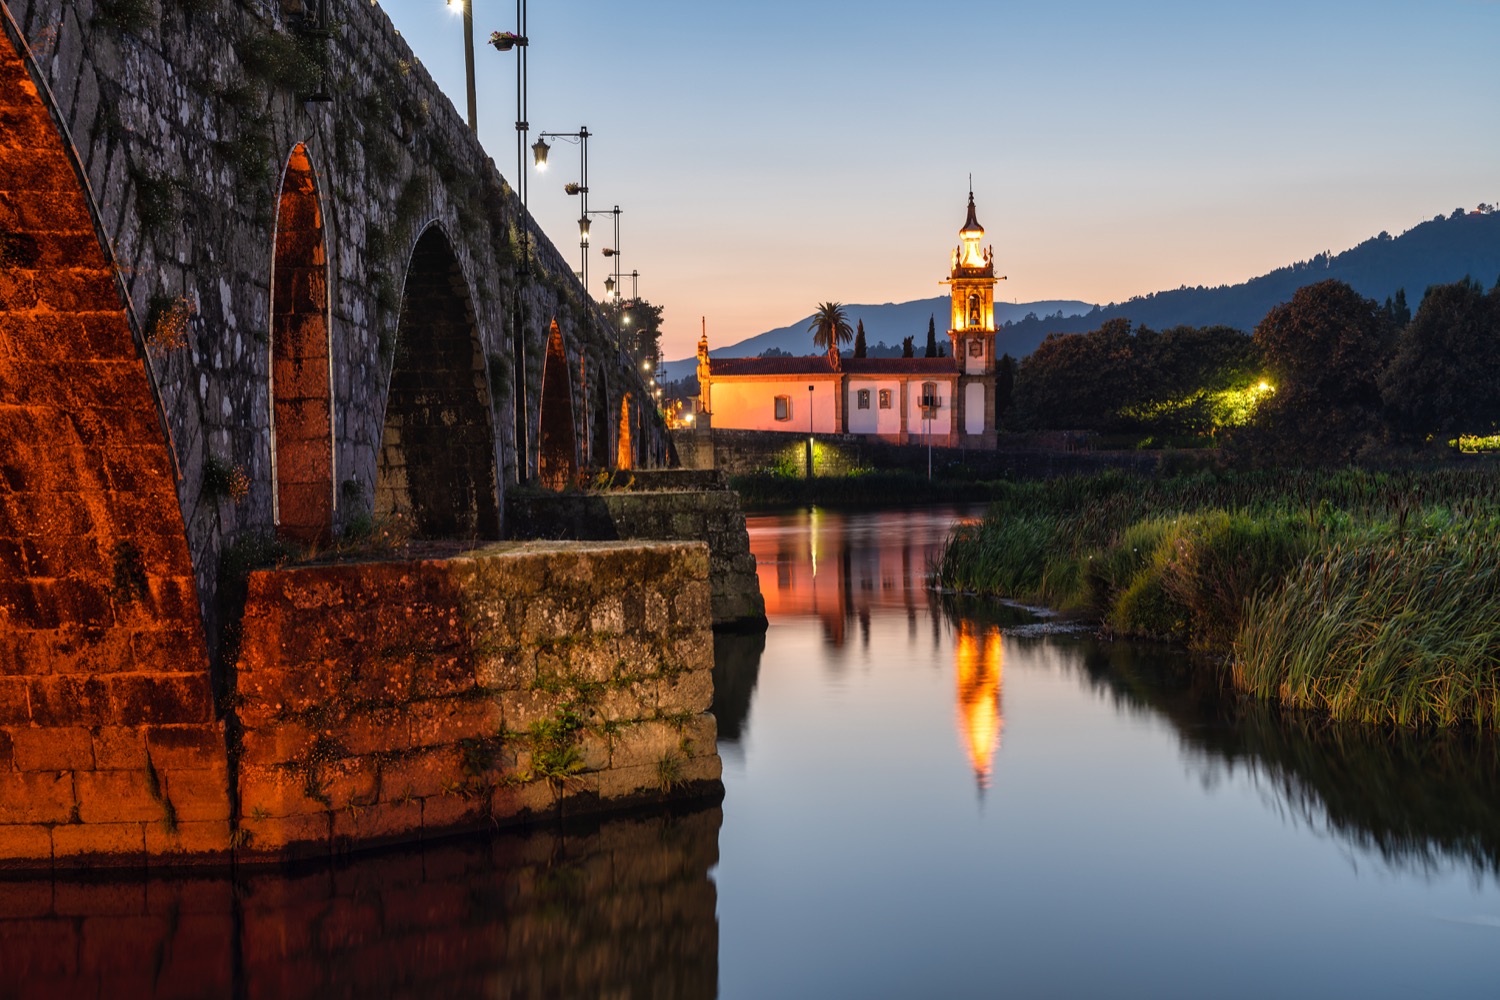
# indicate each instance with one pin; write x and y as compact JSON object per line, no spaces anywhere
{"x":1442,"y":380}
{"x":1397,"y":309}
{"x":639,"y":324}
{"x":860,"y":349}
{"x":908,"y":349}
{"x":1324,"y":351}
{"x":1005,"y":388}
{"x":931,"y":338}
{"x":830,"y":327}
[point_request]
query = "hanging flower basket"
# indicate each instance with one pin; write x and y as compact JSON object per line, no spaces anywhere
{"x":504,"y":41}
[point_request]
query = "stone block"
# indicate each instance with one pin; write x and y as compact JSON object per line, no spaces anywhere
{"x":629,"y":782}
{"x":311,"y":831}
{"x":35,"y":797}
{"x":643,"y":743}
{"x":628,"y":701}
{"x":23,"y":845}
{"x":274,"y":743}
{"x":594,"y":748}
{"x":522,"y":709}
{"x":701,"y":735}
{"x":62,"y":748}
{"x":190,"y":746}
{"x":378,"y":823}
{"x":159,"y":698}
{"x":117,"y":797}
{"x":449,"y":812}
{"x":353,"y":781}
{"x":119,"y":748}
{"x":376,"y":729}
{"x":98,"y":844}
{"x":191,"y":838}
{"x":420,"y":773}
{"x":198,"y":794}
{"x":505,"y":669}
{"x":448,"y":720}
{"x":690,"y":691}
{"x":276,"y":793}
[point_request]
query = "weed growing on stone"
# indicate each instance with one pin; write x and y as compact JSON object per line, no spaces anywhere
{"x":669,"y":772}
{"x":224,"y":480}
{"x":153,"y":786}
{"x":130,"y":17}
{"x":278,"y":60}
{"x":167,"y":319}
{"x":155,"y":199}
{"x":127,"y":573}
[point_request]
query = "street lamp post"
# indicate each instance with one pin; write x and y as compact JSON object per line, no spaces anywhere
{"x":504,"y":41}
{"x":467,"y":9}
{"x":540,"y":150}
{"x":809,"y":432}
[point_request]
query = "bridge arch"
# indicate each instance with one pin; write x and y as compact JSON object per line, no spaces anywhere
{"x":437,"y":462}
{"x":94,"y":564}
{"x":557,"y":460}
{"x":301,"y":372}
{"x":624,"y":455}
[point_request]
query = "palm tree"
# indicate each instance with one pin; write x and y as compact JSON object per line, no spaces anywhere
{"x":830,"y":327}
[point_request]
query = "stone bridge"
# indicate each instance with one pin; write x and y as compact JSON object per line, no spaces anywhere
{"x":258,"y":281}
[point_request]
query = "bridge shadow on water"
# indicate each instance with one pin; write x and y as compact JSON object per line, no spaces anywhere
{"x":619,"y":908}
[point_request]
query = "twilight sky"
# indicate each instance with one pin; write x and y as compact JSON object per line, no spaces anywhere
{"x":770,"y":155}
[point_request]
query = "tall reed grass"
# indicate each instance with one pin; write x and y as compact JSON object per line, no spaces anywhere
{"x":1403,"y":629}
{"x":1369,"y":595}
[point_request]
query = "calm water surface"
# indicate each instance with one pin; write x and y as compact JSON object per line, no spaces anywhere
{"x":924,"y":799}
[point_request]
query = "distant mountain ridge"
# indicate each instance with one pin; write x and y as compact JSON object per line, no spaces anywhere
{"x":1442,"y":250}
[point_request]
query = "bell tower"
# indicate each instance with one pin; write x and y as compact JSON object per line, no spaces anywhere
{"x":971,"y":281}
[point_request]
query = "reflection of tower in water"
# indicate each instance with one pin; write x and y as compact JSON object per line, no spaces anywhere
{"x":979,"y":661}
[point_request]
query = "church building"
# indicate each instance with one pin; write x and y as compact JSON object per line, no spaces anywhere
{"x":943,"y":401}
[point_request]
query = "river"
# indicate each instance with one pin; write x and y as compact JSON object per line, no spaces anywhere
{"x":924,"y":797}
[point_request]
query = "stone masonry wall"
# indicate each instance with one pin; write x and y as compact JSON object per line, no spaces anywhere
{"x":382,"y":700}
{"x":626,"y":909}
{"x":706,"y":511}
{"x":181,"y":118}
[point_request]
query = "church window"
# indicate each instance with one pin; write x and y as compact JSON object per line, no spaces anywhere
{"x":863,"y":398}
{"x":885,"y":399}
{"x":929,"y":399}
{"x":783,"y":407}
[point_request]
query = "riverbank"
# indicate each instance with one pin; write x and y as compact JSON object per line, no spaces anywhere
{"x":1370,"y":596}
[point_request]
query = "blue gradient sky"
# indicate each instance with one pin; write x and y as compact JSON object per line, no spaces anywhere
{"x":770,"y":155}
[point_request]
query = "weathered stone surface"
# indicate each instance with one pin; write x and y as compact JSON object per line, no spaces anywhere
{"x":228,"y":267}
{"x":528,"y":741}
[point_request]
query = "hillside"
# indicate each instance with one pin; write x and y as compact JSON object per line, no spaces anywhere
{"x":1443,"y":250}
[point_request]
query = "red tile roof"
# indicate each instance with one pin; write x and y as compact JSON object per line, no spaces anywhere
{"x":818,"y":365}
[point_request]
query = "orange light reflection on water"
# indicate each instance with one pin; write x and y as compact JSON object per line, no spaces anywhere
{"x":839,"y":570}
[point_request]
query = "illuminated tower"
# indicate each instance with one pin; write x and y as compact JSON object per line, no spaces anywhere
{"x":972,"y":332}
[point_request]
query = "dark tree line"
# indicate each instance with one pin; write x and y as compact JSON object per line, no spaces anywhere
{"x":1348,"y":377}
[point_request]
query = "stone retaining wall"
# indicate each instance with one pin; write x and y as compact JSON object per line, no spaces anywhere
{"x":650,"y":509}
{"x":385,"y":701}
